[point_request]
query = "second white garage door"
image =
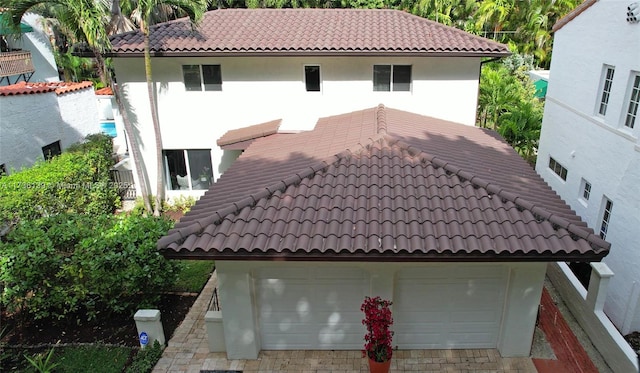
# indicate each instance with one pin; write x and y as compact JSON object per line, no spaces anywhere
{"x":304,"y":308}
{"x":449,"y":306}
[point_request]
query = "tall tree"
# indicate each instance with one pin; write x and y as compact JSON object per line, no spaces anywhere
{"x":147,"y":13}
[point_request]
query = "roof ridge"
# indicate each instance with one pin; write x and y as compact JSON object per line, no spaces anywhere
{"x":494,"y":189}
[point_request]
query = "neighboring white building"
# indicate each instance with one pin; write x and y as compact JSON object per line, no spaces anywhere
{"x":589,"y":148}
{"x":42,"y":119}
{"x":246,"y":67}
{"x":31,"y":48}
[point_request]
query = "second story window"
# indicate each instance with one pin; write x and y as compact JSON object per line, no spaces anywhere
{"x":606,"y":217}
{"x":607,"y":81}
{"x":312,"y":78}
{"x":557,"y":168}
{"x":202,"y":77}
{"x":391,"y":78}
{"x":586,"y":190}
{"x":634,"y":101}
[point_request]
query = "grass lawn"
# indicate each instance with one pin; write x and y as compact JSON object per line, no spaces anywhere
{"x":91,"y":358}
{"x":193,"y":275}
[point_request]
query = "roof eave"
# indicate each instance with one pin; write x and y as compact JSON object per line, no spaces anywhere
{"x":376,"y":257}
{"x":140,"y":54}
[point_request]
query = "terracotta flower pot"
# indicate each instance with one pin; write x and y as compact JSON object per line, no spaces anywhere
{"x":375,"y":367}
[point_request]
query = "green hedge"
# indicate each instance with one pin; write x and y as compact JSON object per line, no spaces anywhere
{"x":75,"y":181}
{"x":54,"y":266}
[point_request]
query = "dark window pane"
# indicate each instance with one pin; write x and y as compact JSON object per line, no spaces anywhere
{"x":312,"y":78}
{"x":191,"y":74}
{"x":402,"y":77}
{"x":3,"y":170}
{"x":177,"y":169}
{"x":51,"y":150}
{"x":212,"y":75}
{"x":382,"y":78}
{"x":200,"y":168}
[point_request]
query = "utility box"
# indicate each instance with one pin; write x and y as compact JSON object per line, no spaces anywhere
{"x":149,"y":327}
{"x":215,"y":331}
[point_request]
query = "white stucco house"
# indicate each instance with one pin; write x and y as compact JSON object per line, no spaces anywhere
{"x":244,"y":67}
{"x":589,"y":149}
{"x":39,"y":120}
{"x":28,"y":55}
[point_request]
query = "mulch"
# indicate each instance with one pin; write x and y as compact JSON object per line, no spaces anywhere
{"x":115,"y":329}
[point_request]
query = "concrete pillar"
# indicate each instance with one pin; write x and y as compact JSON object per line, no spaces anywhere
{"x":523,"y":298}
{"x":215,"y":331}
{"x":239,"y":316}
{"x":149,"y":327}
{"x":598,"y":284}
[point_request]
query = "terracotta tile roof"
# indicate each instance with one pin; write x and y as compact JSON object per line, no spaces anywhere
{"x":106,"y":91}
{"x":26,"y":88}
{"x":239,"y":139}
{"x":307,"y":31}
{"x":573,"y":14}
{"x":382,"y":184}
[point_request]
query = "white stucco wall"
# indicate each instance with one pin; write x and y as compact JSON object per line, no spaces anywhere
{"x":29,"y":122}
{"x":599,"y":149}
{"x":38,"y":43}
{"x":240,"y":315}
{"x":257,"y":90}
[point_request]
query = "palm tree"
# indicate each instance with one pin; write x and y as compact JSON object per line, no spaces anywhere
{"x":86,"y":21}
{"x":147,"y":13}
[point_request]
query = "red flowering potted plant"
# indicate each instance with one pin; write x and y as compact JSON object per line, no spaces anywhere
{"x":377,"y":346}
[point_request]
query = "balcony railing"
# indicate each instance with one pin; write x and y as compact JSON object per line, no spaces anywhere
{"x":16,"y":63}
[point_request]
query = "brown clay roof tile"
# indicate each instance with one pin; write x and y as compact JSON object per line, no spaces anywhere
{"x":307,"y":31}
{"x":27,"y":88}
{"x":240,"y":138}
{"x":408,"y":187}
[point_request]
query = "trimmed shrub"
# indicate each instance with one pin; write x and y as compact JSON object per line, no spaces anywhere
{"x":54,"y":266}
{"x":77,"y":181}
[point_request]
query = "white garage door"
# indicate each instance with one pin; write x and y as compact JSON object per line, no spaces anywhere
{"x":311,"y":308}
{"x":449,"y":307}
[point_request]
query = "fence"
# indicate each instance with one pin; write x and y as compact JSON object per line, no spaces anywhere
{"x":587,"y":307}
{"x":126,"y":185}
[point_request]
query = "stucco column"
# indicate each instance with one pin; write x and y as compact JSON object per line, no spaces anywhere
{"x":519,"y":319}
{"x":598,"y":284}
{"x":239,"y":319}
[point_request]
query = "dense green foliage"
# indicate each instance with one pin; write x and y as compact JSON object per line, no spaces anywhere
{"x":75,"y":181}
{"x":53,"y":266}
{"x":146,"y":359}
{"x":507,"y":104}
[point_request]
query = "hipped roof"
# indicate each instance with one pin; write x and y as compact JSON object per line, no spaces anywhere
{"x":382,"y":185}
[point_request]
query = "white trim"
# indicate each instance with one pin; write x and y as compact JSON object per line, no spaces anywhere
{"x":595,"y":120}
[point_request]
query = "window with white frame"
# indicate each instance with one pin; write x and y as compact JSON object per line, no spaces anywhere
{"x":312,"y":78}
{"x":188,"y":169}
{"x":605,"y":88}
{"x":558,"y":168}
{"x":388,"y":78}
{"x":585,"y":188}
{"x":606,"y":217}
{"x":202,"y":77}
{"x":634,"y":101}
{"x":3,"y":170}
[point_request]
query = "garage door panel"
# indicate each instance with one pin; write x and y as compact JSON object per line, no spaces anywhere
{"x":449,"y":306}
{"x":309,"y":308}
